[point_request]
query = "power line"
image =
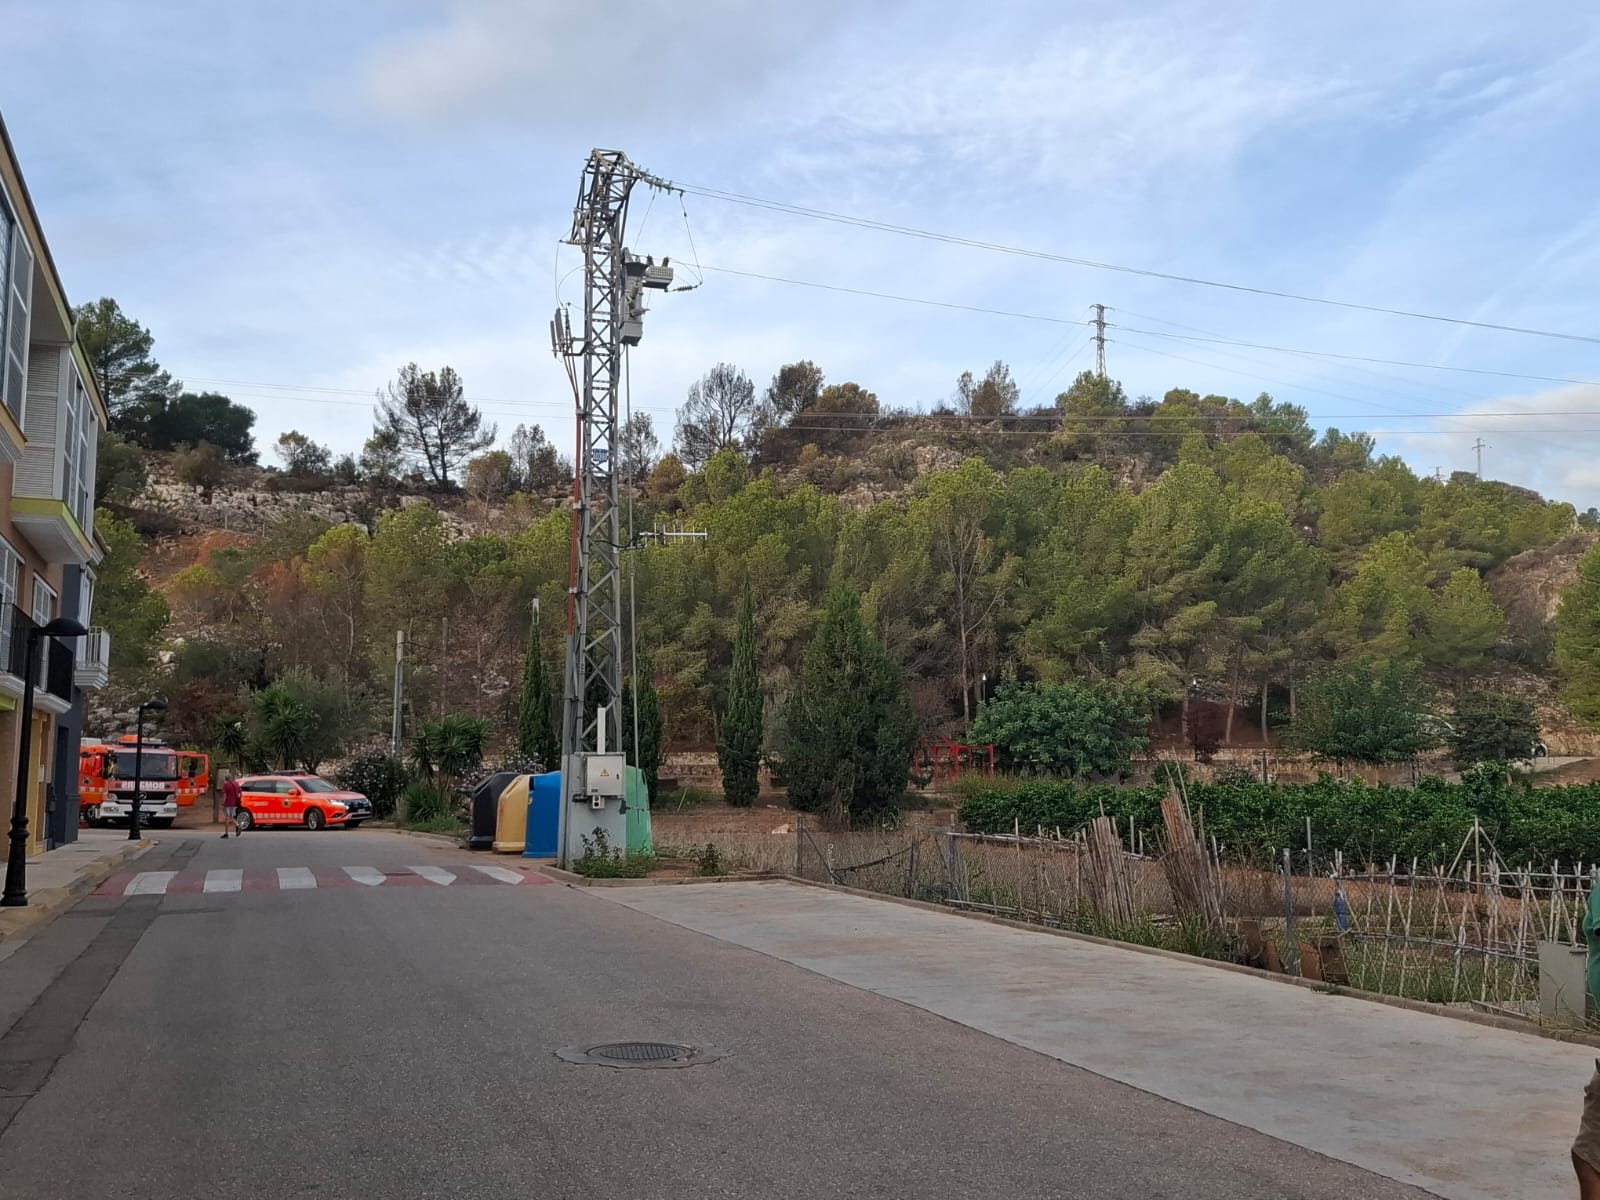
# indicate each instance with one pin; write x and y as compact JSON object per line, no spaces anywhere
{"x":832,"y":287}
{"x":817,"y":214}
{"x":1362,"y":358}
{"x":919,"y":430}
{"x":1092,"y":323}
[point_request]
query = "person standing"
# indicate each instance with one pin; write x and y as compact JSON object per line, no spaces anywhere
{"x":232,"y":796}
{"x":1586,"y":1148}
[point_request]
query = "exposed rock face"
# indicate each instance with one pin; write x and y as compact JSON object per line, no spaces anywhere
{"x":1528,"y":586}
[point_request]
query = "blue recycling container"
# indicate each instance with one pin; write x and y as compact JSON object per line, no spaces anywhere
{"x":544,"y":815}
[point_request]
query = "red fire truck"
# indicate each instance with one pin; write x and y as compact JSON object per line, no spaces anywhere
{"x":168,"y":779}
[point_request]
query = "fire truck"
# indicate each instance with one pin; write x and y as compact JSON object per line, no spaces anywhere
{"x":168,"y":779}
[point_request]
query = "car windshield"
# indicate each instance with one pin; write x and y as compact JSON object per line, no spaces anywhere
{"x":311,"y":783}
{"x":154,"y":764}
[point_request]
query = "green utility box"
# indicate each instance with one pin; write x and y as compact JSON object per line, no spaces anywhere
{"x":638,"y":798}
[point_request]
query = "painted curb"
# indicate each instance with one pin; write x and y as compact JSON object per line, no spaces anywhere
{"x":1508,"y":1024}
{"x":440,"y":839}
{"x":576,"y":880}
{"x":48,"y":903}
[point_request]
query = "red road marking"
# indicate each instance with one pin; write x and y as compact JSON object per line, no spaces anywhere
{"x":265,"y":879}
{"x":401,"y":877}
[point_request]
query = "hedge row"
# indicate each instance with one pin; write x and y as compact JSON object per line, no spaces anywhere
{"x":1368,"y":822}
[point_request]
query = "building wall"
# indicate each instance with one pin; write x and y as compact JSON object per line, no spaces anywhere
{"x":43,"y":768}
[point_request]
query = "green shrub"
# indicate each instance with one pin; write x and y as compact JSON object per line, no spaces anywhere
{"x":601,"y":860}
{"x":425,"y":802}
{"x":1367,"y":822}
{"x":379,"y":778}
{"x":709,"y":861}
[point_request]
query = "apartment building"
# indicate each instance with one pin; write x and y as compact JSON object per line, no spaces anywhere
{"x":51,"y":415}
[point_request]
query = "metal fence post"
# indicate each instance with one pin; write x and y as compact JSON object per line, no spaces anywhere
{"x":1292,"y":947}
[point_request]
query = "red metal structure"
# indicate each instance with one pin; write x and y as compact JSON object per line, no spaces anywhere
{"x":942,"y":761}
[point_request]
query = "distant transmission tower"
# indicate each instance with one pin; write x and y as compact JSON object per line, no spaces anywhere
{"x":1100,"y":340}
{"x":1480,"y":446}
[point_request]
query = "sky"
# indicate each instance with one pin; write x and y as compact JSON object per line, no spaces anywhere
{"x":298,"y":198}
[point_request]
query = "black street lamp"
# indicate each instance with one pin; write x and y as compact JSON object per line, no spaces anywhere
{"x":156,"y":705}
{"x":16,"y":889}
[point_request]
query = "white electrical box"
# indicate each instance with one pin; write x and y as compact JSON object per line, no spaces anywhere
{"x":603,"y":774}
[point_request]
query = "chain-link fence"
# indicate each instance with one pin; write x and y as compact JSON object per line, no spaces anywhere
{"x":1465,"y":934}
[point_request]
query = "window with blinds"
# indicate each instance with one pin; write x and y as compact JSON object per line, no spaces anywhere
{"x":16,"y":279}
{"x":10,"y":581}
{"x":77,"y":434}
{"x":44,"y":611}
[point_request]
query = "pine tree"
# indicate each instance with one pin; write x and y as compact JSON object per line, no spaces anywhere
{"x":651,"y":751}
{"x":739,"y":749}
{"x":1578,"y":640}
{"x":850,"y":728}
{"x":536,"y":711}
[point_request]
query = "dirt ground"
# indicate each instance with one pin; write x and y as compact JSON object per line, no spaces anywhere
{"x":1584,"y":771}
{"x":714,"y":819}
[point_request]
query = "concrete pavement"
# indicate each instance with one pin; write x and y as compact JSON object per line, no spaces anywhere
{"x":399,"y":1042}
{"x":1467,"y":1112}
{"x":57,"y":878}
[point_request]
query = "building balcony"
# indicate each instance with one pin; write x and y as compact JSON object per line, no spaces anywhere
{"x":51,"y":529}
{"x":92,"y":668}
{"x":52,"y":486}
{"x":53,"y":668}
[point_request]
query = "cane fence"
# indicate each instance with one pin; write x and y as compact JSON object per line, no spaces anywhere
{"x":1464,"y":933}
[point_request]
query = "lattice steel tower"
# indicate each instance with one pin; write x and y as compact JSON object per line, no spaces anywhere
{"x":613,"y":312}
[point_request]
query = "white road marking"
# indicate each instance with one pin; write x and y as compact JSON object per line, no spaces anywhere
{"x":503,"y":874}
{"x":438,"y":874}
{"x":290,"y":878}
{"x":230,"y":879}
{"x":368,"y":875}
{"x":149,"y":883}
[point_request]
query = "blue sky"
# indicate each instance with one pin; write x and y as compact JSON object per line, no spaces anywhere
{"x":298,"y":198}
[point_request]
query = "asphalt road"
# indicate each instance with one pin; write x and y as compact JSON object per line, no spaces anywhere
{"x":399,"y":1041}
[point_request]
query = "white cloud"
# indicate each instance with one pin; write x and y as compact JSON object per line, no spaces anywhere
{"x":572,"y":64}
{"x":1548,"y":441}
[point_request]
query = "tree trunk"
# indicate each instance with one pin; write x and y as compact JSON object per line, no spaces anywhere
{"x":1263,"y":712}
{"x":1233,"y":703}
{"x":966,"y":711}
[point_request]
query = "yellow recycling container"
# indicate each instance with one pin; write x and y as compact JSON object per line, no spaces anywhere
{"x":511,"y":819}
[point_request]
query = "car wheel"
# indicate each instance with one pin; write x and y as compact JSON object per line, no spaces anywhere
{"x":160,"y":822}
{"x":92,"y":814}
{"x":314,"y":819}
{"x":243,"y":821}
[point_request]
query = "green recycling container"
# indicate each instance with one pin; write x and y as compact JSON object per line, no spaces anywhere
{"x":638,"y":797}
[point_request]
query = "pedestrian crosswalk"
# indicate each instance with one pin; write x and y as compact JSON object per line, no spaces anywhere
{"x":287,"y":879}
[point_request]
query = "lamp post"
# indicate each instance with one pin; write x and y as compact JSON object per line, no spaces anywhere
{"x":16,"y":889}
{"x":156,"y":705}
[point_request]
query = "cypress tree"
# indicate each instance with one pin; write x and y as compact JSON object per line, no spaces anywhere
{"x":536,"y":710}
{"x":850,"y":728}
{"x":739,"y":748}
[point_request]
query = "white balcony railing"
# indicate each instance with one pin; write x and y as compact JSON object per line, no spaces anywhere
{"x":92,"y":667}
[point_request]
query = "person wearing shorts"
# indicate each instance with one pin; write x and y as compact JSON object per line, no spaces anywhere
{"x":1586,"y":1149}
{"x":231,"y":796}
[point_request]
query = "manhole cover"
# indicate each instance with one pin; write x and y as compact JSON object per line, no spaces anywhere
{"x":640,"y":1054}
